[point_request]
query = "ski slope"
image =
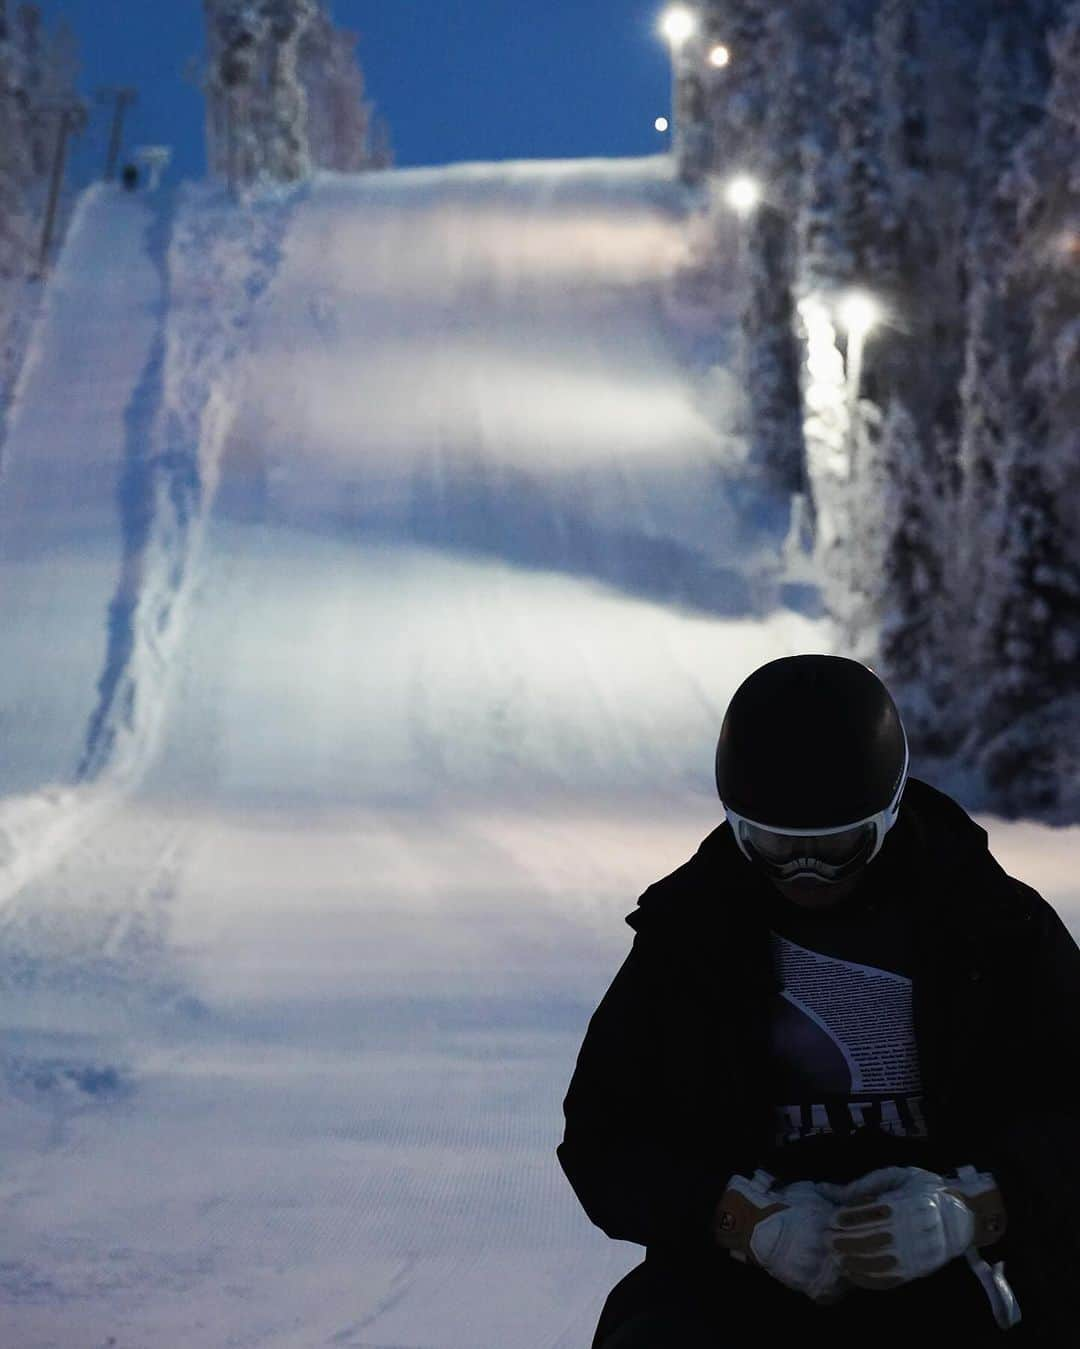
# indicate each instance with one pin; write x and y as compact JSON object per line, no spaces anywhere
{"x":374,"y":572}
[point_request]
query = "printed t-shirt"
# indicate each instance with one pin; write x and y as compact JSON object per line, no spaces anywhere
{"x":844,"y":1074}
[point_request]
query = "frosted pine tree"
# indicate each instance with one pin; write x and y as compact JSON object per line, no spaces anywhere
{"x":287,"y":154}
{"x":905,"y":121}
{"x":16,"y":168}
{"x":35,"y":54}
{"x":996,"y":341}
{"x":822,"y":267}
{"x":236,"y":42}
{"x":1029,"y":625}
{"x":915,"y":532}
{"x":339,"y":119}
{"x":1029,"y":618}
{"x":846,"y":237}
{"x":772,"y":358}
{"x":1048,"y":187}
{"x":905,"y":153}
{"x":866,"y":208}
{"x":772,"y":364}
{"x":866,"y":497}
{"x":825,"y":262}
{"x":737,"y":94}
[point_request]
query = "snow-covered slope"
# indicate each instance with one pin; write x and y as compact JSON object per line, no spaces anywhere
{"x":413,"y":670}
{"x":83,"y":396}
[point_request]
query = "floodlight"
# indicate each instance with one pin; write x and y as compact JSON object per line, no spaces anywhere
{"x":743,"y":194}
{"x":859,"y":313}
{"x":678,"y":24}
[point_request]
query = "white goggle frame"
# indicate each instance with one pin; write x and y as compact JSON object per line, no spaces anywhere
{"x":883,"y":821}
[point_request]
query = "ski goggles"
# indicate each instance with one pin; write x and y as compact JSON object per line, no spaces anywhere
{"x":829,"y":854}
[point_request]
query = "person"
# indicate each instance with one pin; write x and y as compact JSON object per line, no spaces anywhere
{"x":834,"y":1087}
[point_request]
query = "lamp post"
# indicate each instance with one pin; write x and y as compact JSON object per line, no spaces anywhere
{"x":71,"y":120}
{"x":123,"y":99}
{"x":742,"y":194}
{"x":860,"y":314}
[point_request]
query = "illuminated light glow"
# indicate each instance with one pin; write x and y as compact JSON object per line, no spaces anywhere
{"x":661,"y":124}
{"x":743,"y":194}
{"x":678,"y":24}
{"x":859,"y":313}
{"x":720,"y":56}
{"x":1070,"y":245}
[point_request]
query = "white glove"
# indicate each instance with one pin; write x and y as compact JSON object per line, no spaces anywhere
{"x":903,"y":1223}
{"x":783,"y":1231}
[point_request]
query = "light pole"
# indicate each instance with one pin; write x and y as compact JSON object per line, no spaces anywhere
{"x":860,"y":314}
{"x":742,"y":195}
{"x":71,"y":120}
{"x":122,"y":100}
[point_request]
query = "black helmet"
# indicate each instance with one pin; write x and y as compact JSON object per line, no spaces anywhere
{"x":812,"y":747}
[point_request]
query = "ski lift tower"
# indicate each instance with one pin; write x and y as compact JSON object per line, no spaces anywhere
{"x":153,"y":160}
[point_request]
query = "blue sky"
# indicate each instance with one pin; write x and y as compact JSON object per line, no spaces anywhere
{"x":479,"y":79}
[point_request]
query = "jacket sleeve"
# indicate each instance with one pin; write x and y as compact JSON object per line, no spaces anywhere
{"x":1036,"y":1156}
{"x":634,"y":1179}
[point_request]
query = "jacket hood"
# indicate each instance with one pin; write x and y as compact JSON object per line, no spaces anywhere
{"x":933,"y":831}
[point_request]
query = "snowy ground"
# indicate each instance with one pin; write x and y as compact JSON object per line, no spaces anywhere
{"x":372,"y":584}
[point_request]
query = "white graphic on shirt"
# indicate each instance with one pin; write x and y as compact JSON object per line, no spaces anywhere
{"x":865,"y":1011}
{"x":901,"y":1117}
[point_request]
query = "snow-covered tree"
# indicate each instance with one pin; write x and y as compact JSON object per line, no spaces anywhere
{"x":288,"y":156}
{"x":16,"y":165}
{"x":912,"y":555}
{"x":1028,"y":630}
{"x":1029,"y":636}
{"x":284,"y":93}
{"x":339,"y":119}
{"x":40,"y":75}
{"x":886,"y":137}
{"x":776,"y":433}
{"x":905,"y":116}
{"x":824,"y":263}
{"x":1048,"y":192}
{"x":790,"y":90}
{"x":236,"y":46}
{"x":996,"y":341}
{"x":865,"y":202}
{"x":738,"y":93}
{"x":777,"y":447}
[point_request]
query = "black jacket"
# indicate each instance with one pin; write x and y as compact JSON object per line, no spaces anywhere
{"x":667,"y":1100}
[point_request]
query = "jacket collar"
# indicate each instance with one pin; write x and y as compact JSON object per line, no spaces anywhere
{"x":955,"y":882}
